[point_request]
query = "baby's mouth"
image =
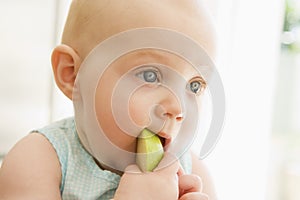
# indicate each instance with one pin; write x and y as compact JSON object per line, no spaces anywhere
{"x":164,"y":139}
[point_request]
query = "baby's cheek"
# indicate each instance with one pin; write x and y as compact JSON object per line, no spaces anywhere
{"x":139,"y":112}
{"x":140,"y":104}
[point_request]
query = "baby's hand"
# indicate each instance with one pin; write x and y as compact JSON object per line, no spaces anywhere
{"x":162,"y":184}
{"x":190,"y":188}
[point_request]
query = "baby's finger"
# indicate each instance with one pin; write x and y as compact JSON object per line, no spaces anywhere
{"x":194,"y":196}
{"x":169,"y":164}
{"x":189,"y":183}
{"x":180,"y":171}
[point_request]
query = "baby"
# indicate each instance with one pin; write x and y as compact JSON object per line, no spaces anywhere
{"x":119,"y":85}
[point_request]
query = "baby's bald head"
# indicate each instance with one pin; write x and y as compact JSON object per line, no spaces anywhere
{"x":91,"y":21}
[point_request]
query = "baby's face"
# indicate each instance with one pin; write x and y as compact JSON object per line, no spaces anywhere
{"x":142,"y":67}
{"x":98,"y":101}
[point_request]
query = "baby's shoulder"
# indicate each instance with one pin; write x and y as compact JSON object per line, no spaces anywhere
{"x":60,"y":134}
{"x":29,"y":163}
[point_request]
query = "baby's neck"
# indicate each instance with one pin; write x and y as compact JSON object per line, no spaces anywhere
{"x":104,"y":167}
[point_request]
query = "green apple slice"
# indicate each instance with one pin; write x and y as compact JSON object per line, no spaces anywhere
{"x":149,"y":150}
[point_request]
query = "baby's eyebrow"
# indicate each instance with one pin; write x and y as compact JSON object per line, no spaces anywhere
{"x":153,"y":54}
{"x":206,"y":71}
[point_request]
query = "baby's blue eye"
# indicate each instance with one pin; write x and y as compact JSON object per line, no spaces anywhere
{"x":195,"y":86}
{"x":150,"y":76}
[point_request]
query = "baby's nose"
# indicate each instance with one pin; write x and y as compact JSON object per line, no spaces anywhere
{"x":178,"y":117}
{"x":172,"y":108}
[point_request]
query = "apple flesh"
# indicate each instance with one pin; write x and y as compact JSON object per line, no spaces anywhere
{"x":150,"y":151}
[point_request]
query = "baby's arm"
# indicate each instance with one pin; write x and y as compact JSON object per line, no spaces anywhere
{"x":31,"y":170}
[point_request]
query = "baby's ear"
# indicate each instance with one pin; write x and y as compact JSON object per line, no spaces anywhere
{"x":65,"y":65}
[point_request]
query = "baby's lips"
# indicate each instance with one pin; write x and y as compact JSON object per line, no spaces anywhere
{"x":165,"y":139}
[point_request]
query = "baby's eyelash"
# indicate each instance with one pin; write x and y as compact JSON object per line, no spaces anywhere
{"x":196,"y":85}
{"x":149,"y":74}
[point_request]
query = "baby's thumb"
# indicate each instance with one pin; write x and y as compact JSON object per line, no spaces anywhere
{"x":133,"y":169}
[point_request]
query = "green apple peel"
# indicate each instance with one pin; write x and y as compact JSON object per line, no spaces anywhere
{"x":150,"y":151}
